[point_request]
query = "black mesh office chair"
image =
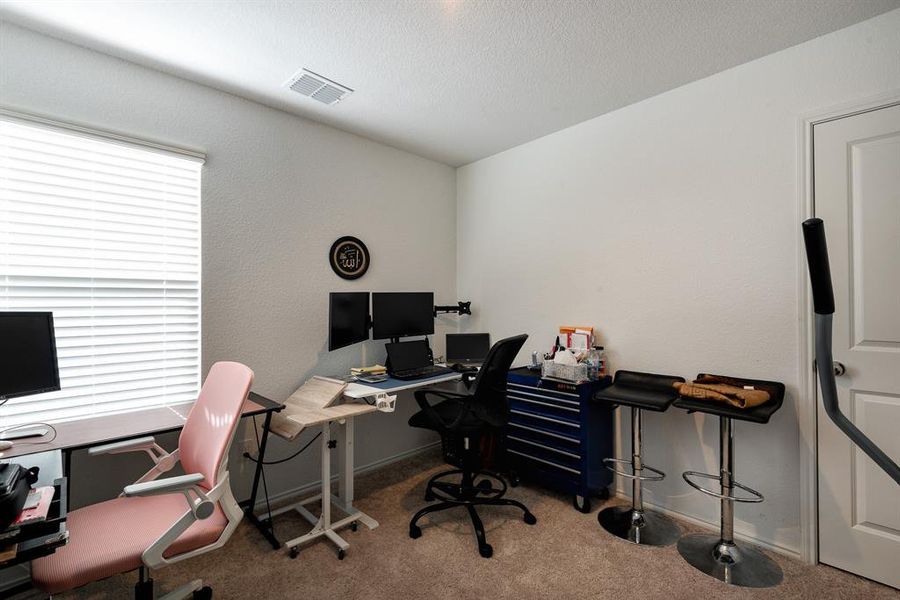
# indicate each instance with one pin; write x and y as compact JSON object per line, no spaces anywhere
{"x":462,"y":419}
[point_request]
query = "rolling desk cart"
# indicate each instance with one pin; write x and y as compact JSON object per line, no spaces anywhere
{"x":557,"y":436}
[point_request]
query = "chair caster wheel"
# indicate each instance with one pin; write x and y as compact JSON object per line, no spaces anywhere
{"x":340,"y":554}
{"x":294,"y":552}
{"x":415,"y":532}
{"x":204,"y":593}
{"x":354,"y":526}
{"x":581,"y":503}
{"x":529,"y":518}
{"x":486,"y":550}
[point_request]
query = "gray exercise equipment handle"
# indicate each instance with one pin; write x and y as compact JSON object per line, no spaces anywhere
{"x":823,"y":303}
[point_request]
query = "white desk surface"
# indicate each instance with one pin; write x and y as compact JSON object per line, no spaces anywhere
{"x":358,"y":390}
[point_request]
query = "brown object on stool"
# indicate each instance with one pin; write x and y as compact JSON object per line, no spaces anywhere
{"x":723,"y":389}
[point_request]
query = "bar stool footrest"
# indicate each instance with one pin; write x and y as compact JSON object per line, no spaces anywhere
{"x":753,"y":498}
{"x":609,"y":465}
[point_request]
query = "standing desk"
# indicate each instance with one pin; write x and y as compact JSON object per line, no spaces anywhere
{"x":343,"y":442}
{"x":85,"y":433}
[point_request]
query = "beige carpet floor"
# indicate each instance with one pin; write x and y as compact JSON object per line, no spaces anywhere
{"x":565,"y":555}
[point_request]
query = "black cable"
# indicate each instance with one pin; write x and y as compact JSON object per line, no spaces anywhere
{"x":283,"y":460}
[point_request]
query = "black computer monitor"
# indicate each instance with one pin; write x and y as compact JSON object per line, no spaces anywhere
{"x":28,"y":362}
{"x":348,"y":318}
{"x":402,"y":314}
{"x":468,"y":347}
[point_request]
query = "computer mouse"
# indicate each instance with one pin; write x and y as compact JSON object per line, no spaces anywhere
{"x":5,"y":445}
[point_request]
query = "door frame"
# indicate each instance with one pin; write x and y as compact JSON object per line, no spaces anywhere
{"x":808,"y":386}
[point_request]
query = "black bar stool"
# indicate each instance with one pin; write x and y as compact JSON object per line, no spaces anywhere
{"x":640,"y":391}
{"x":718,"y":555}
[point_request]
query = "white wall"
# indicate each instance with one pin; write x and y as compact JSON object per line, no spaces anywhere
{"x":277,"y":191}
{"x":672,"y":225}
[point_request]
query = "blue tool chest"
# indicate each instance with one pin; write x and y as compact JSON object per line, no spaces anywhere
{"x":557,"y":436}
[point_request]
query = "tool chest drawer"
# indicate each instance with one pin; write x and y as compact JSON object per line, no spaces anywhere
{"x":557,"y":436}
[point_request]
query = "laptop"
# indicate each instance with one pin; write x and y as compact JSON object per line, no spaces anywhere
{"x":412,"y":360}
{"x":468,"y":349}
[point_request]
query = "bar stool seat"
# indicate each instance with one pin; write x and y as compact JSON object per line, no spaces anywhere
{"x":718,"y":555}
{"x":640,"y":391}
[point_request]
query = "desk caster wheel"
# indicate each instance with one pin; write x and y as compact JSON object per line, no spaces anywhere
{"x":486,"y":550}
{"x":294,"y":552}
{"x":415,"y":532}
{"x":340,"y":554}
{"x":354,"y":526}
{"x":582,"y":503}
{"x":204,"y":593}
{"x":529,"y":518}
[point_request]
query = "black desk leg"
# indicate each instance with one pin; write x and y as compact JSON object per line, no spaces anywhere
{"x":264,"y":525}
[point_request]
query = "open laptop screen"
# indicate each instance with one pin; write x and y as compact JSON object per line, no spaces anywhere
{"x":467,"y":347}
{"x":408,"y":355}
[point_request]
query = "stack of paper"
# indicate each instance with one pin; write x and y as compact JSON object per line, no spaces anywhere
{"x":373,"y":370}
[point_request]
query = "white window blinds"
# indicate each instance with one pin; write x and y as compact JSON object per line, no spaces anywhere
{"x":106,"y":235}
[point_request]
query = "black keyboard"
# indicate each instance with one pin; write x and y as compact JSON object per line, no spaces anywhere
{"x":421,"y":372}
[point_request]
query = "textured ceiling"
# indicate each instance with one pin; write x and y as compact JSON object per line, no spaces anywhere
{"x":451,"y":80}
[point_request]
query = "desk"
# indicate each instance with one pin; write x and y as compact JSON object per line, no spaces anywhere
{"x":105,"y":429}
{"x":359,"y":391}
{"x":44,"y":538}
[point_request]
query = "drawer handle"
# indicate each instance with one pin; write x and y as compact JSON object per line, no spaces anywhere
{"x":546,"y":462}
{"x":548,"y":448}
{"x":543,"y":418}
{"x":534,"y":390}
{"x":542,"y":432}
{"x":556,"y":406}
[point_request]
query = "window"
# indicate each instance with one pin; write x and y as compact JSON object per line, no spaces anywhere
{"x":105,"y":233}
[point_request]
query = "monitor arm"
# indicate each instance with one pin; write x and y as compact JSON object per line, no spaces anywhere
{"x":461,"y":308}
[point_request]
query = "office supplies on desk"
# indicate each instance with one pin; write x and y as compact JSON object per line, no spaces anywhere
{"x":410,"y":360}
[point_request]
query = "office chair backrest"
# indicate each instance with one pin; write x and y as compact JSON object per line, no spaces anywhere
{"x":210,"y":426}
{"x":490,"y":384}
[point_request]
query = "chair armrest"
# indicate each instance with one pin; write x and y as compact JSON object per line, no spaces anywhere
{"x":164,"y":486}
{"x":139,"y":445}
{"x":422,"y":399}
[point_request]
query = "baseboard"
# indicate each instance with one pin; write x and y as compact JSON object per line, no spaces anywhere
{"x":741,"y":536}
{"x":293,"y":494}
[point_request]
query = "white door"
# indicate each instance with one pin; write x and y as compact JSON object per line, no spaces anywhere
{"x":857,"y":194}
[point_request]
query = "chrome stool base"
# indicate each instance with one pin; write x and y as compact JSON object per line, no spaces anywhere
{"x":639,"y":527}
{"x":743,"y":566}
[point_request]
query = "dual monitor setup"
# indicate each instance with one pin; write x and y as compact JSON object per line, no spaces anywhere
{"x":396,"y":315}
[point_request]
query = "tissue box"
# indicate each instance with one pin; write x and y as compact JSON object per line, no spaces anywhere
{"x":573,"y":373}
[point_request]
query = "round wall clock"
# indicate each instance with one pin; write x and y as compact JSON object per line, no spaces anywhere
{"x":349,"y":257}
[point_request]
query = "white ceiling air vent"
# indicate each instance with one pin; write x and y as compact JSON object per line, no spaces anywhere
{"x":313,"y":85}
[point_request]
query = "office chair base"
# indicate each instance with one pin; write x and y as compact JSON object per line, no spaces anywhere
{"x":469,"y":494}
{"x":742,"y":566}
{"x":639,"y":527}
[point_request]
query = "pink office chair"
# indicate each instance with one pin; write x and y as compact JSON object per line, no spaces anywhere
{"x":158,"y":523}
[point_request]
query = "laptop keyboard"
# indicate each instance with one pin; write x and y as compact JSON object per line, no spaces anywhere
{"x":421,"y":372}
